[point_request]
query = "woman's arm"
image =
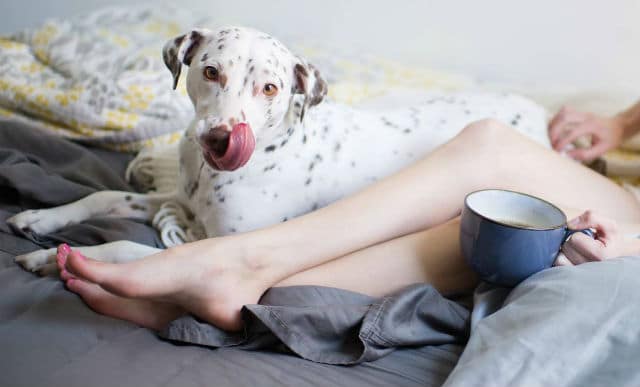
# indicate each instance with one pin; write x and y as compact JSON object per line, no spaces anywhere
{"x":629,"y":120}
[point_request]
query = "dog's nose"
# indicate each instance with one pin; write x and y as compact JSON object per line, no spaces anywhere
{"x":217,"y":139}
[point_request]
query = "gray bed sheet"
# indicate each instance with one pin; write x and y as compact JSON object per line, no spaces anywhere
{"x":49,"y":337}
{"x":565,"y":326}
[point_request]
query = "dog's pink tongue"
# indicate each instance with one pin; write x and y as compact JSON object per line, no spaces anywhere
{"x":241,"y":146}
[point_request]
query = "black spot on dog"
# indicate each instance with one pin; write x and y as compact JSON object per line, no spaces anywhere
{"x":128,"y":198}
{"x":221,"y":199}
{"x":285,"y":219}
{"x":251,"y":69}
{"x":204,"y":57}
{"x":308,"y":181}
{"x":217,"y":187}
{"x":304,"y":139}
{"x":337,"y":147}
{"x":232,"y":229}
{"x":407,"y":130}
{"x":353,"y":164}
{"x":283,"y":143}
{"x":220,"y":47}
{"x":270,"y":148}
{"x":193,"y":188}
{"x":137,"y":207}
{"x":314,"y":207}
{"x":311,"y":165}
{"x":269,"y":167}
{"x":290,"y":131}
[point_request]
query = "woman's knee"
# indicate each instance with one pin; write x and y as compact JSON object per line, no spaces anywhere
{"x":492,"y":138}
{"x":488,"y":130}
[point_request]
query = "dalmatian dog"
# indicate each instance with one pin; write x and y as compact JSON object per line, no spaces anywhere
{"x":265,"y":146}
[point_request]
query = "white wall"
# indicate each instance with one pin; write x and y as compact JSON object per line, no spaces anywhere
{"x":590,"y":44}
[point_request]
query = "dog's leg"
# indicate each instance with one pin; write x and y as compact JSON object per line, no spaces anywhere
{"x":104,"y":203}
{"x":43,"y":262}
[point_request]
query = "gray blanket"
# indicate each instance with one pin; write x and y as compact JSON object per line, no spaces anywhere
{"x":49,"y":337}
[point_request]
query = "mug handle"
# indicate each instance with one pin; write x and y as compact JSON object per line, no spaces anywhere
{"x":587,"y":231}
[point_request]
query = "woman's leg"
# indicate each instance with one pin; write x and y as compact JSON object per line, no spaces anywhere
{"x":213,"y":278}
{"x":430,"y":256}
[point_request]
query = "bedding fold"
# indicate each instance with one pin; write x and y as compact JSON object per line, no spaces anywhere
{"x":336,"y":326}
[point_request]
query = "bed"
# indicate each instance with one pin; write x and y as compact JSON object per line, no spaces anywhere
{"x":563,"y":327}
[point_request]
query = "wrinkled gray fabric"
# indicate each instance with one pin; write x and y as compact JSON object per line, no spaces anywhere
{"x":566,"y":326}
{"x":48,"y":337}
{"x":38,"y":170}
{"x":336,"y":326}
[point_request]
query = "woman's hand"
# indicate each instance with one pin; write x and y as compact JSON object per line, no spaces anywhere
{"x":580,"y":248}
{"x":568,"y":125}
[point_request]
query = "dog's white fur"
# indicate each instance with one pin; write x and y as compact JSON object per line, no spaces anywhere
{"x":307,"y":154}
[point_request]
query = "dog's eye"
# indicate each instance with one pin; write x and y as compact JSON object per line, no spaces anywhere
{"x":270,"y":90}
{"x":211,"y":73}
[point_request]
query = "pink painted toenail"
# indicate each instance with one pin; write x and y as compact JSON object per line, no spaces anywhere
{"x":64,"y":249}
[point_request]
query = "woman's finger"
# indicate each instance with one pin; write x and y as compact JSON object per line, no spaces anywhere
{"x":572,"y":135}
{"x":562,"y":260}
{"x":588,"y":154}
{"x":603,"y":226}
{"x":574,"y":256}
{"x":585,"y":248}
{"x":564,"y":116}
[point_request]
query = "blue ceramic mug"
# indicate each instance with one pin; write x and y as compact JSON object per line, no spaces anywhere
{"x":507,"y":236}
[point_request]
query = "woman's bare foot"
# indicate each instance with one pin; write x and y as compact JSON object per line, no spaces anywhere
{"x":213,"y":287}
{"x":149,"y":314}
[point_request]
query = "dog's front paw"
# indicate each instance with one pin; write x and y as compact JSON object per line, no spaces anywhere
{"x":36,"y":221}
{"x":42,"y":262}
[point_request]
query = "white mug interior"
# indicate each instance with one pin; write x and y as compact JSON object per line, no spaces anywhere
{"x":516,"y":209}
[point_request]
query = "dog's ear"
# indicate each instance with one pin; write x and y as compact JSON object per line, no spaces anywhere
{"x":180,"y":50}
{"x":308,"y":81}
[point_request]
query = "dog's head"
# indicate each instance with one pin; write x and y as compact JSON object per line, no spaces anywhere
{"x":243,"y":84}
